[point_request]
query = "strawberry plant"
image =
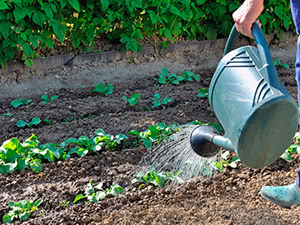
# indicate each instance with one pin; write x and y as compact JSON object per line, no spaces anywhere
{"x":133,"y":99}
{"x":103,"y":89}
{"x":21,"y":210}
{"x":203,"y":93}
{"x":158,"y":101}
{"x":165,"y":78}
{"x":47,"y":100}
{"x":34,"y":121}
{"x":20,"y":101}
{"x":96,"y":193}
{"x":157,"y":179}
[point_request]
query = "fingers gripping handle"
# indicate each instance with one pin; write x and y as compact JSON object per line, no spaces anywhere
{"x":262,"y":46}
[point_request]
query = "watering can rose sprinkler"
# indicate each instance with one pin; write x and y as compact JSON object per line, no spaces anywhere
{"x":259,"y":116}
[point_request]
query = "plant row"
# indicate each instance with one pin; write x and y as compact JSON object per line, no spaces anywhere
{"x":28,"y":27}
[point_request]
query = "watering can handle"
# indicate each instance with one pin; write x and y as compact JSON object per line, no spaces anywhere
{"x":262,"y":46}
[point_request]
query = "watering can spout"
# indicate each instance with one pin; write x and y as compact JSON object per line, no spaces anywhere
{"x":205,"y":141}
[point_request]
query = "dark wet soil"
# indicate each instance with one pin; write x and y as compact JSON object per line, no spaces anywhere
{"x":228,"y":198}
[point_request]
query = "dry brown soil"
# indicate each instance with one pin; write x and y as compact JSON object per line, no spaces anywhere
{"x":228,"y":198}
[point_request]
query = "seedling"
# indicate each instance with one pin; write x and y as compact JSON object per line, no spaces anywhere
{"x":48,"y":122}
{"x":155,"y":134}
{"x":133,"y":99}
{"x":292,"y":149}
{"x":203,"y":93}
{"x":157,"y":179}
{"x":15,"y":155}
{"x":277,"y":63}
{"x":96,"y":193}
{"x":21,"y":101}
{"x":47,"y":100}
{"x":158,"y":101}
{"x":103,"y":90}
{"x":8,"y":114}
{"x":34,"y":121}
{"x":164,"y":77}
{"x":21,"y":210}
{"x":226,"y":161}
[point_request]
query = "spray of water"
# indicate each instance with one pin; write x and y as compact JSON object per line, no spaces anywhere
{"x":175,"y":155}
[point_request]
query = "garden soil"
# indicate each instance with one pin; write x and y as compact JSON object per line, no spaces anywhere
{"x":228,"y":198}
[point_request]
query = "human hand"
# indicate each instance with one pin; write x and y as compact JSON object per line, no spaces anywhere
{"x":246,"y":15}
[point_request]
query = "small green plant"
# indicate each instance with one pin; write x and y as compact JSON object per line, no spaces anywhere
{"x":292,"y":149}
{"x":277,"y":63}
{"x":103,"y":90}
{"x":96,"y":193}
{"x":157,"y":179}
{"x":155,"y":134}
{"x":226,"y":161}
{"x":47,"y":100}
{"x":203,"y":93}
{"x":8,"y":114}
{"x":16,"y":156}
{"x":34,"y":121}
{"x":64,"y":204}
{"x":133,"y":99}
{"x":165,"y":78}
{"x":20,"y":101}
{"x":48,"y":122}
{"x":158,"y":101}
{"x":21,"y":210}
{"x":102,"y":141}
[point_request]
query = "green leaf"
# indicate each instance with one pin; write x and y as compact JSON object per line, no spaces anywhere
{"x":105,"y":4}
{"x":8,"y":218}
{"x":36,"y":120}
{"x":19,"y":13}
{"x":21,"y":123}
{"x":16,"y":103}
{"x":75,"y":4}
{"x":218,"y":127}
{"x":39,"y":18}
{"x":203,"y":93}
{"x":286,"y":156}
{"x":3,"y":5}
{"x":27,"y":49}
{"x":79,"y":197}
{"x":28,"y":62}
{"x":5,"y":28}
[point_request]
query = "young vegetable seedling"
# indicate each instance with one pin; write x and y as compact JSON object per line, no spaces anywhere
{"x":34,"y":121}
{"x":133,"y":99}
{"x":21,"y":210}
{"x":20,"y":101}
{"x":158,"y":101}
{"x":277,"y":63}
{"x":47,"y":100}
{"x":203,"y":93}
{"x":103,"y":90}
{"x":164,"y":77}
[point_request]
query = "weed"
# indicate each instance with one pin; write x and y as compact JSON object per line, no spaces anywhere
{"x":21,"y":101}
{"x":103,"y":90}
{"x":47,"y":100}
{"x":158,"y":101}
{"x":133,"y":99}
{"x":34,"y":121}
{"x":21,"y":210}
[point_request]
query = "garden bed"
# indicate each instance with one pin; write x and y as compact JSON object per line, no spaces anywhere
{"x":228,"y":198}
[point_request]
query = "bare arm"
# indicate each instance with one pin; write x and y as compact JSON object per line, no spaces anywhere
{"x":246,"y":15}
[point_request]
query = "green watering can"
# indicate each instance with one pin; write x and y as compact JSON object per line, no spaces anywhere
{"x":259,"y":116}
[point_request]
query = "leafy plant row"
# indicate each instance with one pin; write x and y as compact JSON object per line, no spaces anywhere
{"x":29,"y":26}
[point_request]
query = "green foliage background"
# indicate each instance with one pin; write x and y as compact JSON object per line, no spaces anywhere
{"x":30,"y":25}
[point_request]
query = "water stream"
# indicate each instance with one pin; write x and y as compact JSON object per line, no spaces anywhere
{"x":176,"y":155}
